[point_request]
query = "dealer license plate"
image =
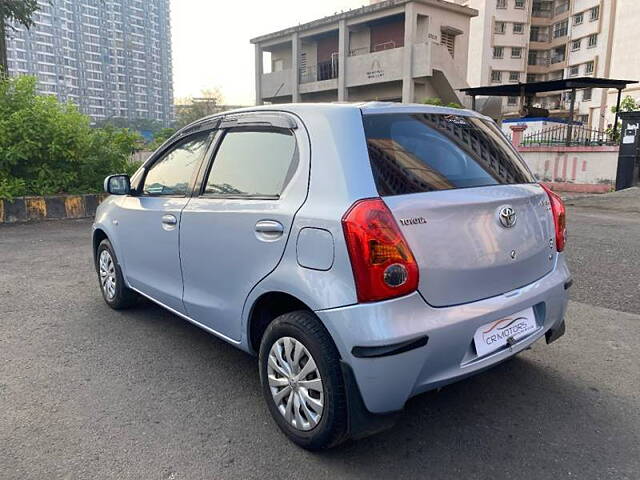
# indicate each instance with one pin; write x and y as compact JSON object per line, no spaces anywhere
{"x":497,"y":334}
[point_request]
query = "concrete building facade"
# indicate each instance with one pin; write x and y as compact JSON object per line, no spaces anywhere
{"x":537,"y":40}
{"x":394,"y":50}
{"x":625,"y":59}
{"x":110,"y":57}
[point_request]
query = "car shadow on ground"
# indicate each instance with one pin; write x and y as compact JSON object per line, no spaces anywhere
{"x":504,"y":420}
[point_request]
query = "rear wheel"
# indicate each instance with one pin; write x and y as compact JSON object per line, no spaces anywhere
{"x":302,"y":381}
{"x":112,"y":286}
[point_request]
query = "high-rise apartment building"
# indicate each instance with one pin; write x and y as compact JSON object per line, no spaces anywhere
{"x":536,"y":40}
{"x":110,"y":57}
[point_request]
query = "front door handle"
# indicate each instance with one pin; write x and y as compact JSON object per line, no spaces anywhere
{"x":269,"y":226}
{"x":169,"y":220}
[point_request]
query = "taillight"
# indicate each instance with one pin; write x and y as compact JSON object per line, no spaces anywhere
{"x":382,"y":262}
{"x":559,"y":217}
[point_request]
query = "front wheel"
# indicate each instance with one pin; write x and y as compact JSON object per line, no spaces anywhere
{"x":302,"y":381}
{"x":114,"y":291}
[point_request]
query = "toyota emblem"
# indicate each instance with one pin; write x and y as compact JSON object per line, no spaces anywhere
{"x":507,"y":216}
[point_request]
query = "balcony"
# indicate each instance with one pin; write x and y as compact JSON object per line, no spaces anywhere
{"x":541,"y":13}
{"x":385,"y":65}
{"x":375,"y":67}
{"x":320,"y":77}
{"x":539,"y":61}
{"x":539,"y":36}
{"x":320,"y":72}
{"x":276,"y":84}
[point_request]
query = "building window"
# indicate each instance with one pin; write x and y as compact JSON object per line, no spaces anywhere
{"x":557,"y":75}
{"x":561,"y":29}
{"x":558,"y":54}
{"x":498,"y":52}
{"x":520,"y":3}
{"x":561,"y":6}
{"x":514,"y":76}
{"x":539,"y":34}
{"x":578,"y":18}
{"x":518,"y":28}
{"x":575,"y":45}
{"x":496,"y":76}
{"x":595,"y":13}
{"x":574,"y":70}
{"x":500,"y":28}
{"x":449,"y":40}
{"x":501,"y":3}
{"x":586,"y":94}
{"x":593,"y":40}
{"x":588,"y":68}
{"x":512,"y":101}
{"x":516,"y":52}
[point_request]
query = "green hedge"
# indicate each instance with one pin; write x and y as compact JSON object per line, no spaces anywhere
{"x":48,"y":147}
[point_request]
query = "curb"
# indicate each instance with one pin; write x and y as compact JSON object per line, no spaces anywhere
{"x":57,"y":207}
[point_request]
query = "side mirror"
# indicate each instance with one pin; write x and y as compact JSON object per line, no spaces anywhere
{"x":117,"y":184}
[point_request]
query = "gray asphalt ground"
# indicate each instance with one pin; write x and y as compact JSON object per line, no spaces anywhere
{"x":89,"y":393}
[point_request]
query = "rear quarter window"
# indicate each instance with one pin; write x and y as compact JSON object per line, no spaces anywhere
{"x":413,"y":153}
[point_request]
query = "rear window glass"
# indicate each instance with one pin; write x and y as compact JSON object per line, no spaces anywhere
{"x":413,"y":153}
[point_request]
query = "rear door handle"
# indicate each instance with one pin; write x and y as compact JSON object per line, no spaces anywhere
{"x":270,"y":227}
{"x":169,"y":220}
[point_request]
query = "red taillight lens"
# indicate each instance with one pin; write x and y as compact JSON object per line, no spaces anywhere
{"x":559,"y":217}
{"x":382,"y":262}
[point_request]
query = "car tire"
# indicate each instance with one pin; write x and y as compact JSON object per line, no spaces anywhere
{"x":296,"y":339}
{"x":110,"y":278}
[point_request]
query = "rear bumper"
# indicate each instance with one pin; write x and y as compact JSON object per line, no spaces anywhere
{"x":388,"y":380}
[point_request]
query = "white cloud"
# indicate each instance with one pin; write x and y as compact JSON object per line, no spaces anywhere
{"x":211,"y":40}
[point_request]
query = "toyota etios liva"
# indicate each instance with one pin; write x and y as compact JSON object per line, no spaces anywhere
{"x":366,"y":252}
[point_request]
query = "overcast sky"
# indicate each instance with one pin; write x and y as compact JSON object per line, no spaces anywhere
{"x":211,"y":40}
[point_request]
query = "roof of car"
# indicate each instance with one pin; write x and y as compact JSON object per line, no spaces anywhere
{"x":367,"y":108}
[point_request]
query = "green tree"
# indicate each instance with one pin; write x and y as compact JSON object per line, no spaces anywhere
{"x":12,"y":12}
{"x":438,"y":102}
{"x":48,"y":147}
{"x":194,"y":108}
{"x":628,"y":104}
{"x":137,"y":124}
{"x":161,"y":137}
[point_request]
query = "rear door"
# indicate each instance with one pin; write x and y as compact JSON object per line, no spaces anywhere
{"x":234,"y":233}
{"x":475,"y":220}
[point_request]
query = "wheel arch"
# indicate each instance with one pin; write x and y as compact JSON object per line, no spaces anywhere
{"x":98,"y":236}
{"x":264,"y":310}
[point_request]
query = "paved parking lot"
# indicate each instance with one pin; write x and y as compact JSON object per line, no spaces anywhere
{"x":86,"y":392}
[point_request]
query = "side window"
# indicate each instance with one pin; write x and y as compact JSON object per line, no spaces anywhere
{"x":172,"y":173}
{"x":256,"y":163}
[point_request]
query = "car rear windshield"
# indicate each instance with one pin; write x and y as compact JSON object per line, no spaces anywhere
{"x":413,"y":153}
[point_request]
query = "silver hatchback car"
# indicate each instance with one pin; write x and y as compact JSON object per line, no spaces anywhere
{"x":365,"y":252}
